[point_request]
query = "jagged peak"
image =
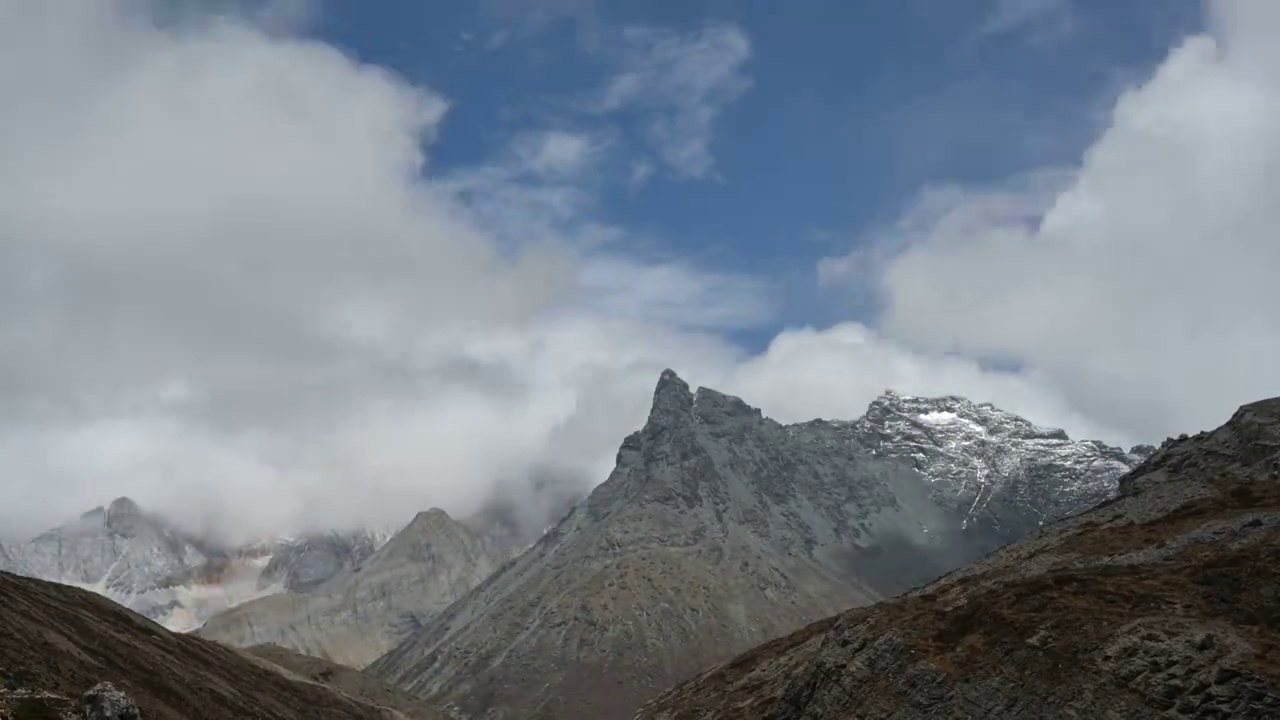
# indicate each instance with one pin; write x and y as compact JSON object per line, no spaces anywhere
{"x":672,"y":398}
{"x":710,"y":402}
{"x":432,"y":516}
{"x":944,"y":408}
{"x":123,"y":513}
{"x":123,"y":506}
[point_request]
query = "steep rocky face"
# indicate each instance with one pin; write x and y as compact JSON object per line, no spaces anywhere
{"x":1003,"y":472}
{"x":145,"y":563}
{"x":718,"y":529}
{"x":305,"y":564}
{"x":364,"y":610}
{"x":1164,"y":602}
{"x":56,"y":640}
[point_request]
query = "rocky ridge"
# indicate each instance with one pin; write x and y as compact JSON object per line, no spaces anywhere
{"x":1161,"y":603}
{"x":363,"y":611}
{"x":720,"y":528}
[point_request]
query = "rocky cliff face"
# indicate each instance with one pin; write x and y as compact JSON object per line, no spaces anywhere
{"x":720,"y":528}
{"x":304,"y":564}
{"x":146,"y":564}
{"x":1164,"y":602}
{"x":364,"y":610}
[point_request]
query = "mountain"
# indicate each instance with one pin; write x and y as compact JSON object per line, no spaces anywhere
{"x":719,"y":528}
{"x":57,"y":641}
{"x":1163,"y":602}
{"x":145,"y":563}
{"x":364,"y":611}
{"x":304,"y":564}
{"x":1004,"y":473}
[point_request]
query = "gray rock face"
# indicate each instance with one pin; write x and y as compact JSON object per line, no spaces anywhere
{"x":1005,"y":474}
{"x":1162,"y":602}
{"x":104,"y":702}
{"x":720,"y":528}
{"x":364,"y":610}
{"x":303,"y":565}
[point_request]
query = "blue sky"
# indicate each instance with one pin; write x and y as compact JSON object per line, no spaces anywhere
{"x":852,"y":107}
{"x":306,"y":262}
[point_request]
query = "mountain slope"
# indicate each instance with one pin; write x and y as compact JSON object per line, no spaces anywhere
{"x":717,"y":529}
{"x":1164,"y":602}
{"x":61,"y":640}
{"x":362,"y":612}
{"x":352,"y":683}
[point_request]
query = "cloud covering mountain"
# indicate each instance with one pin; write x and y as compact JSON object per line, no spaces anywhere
{"x":236,"y":282}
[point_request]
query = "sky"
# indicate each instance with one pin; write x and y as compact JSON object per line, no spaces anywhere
{"x":268,"y":265}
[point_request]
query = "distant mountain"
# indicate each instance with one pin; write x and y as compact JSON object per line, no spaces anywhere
{"x":1163,"y":602}
{"x":57,"y":642}
{"x":365,"y":610}
{"x":720,"y":528}
{"x":304,"y":564}
{"x":145,"y":563}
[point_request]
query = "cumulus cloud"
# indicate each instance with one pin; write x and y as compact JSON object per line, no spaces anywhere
{"x":233,"y":287}
{"x":1141,"y":283}
{"x":834,"y":372}
{"x":680,"y":84}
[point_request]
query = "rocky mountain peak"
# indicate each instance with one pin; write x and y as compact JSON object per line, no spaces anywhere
{"x":362,"y":611}
{"x":435,"y":517}
{"x":711,"y":406}
{"x":123,"y":515}
{"x":957,"y":412}
{"x":672,"y":400}
{"x":719,"y":527}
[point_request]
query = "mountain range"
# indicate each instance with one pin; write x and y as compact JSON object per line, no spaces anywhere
{"x":720,"y":528}
{"x":1162,"y":602}
{"x":934,"y":557}
{"x":362,"y":612}
{"x":149,"y":565}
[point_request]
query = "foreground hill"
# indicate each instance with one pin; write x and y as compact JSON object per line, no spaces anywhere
{"x":57,"y":641}
{"x":363,"y":612}
{"x":720,"y":528}
{"x":1162,"y":603}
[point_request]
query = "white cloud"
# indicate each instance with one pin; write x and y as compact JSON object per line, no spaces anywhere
{"x":1041,"y":19}
{"x":680,"y":84}
{"x":227,"y":290}
{"x":1143,"y":288}
{"x":834,"y":372}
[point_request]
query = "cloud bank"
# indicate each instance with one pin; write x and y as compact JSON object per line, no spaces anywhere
{"x":233,"y":287}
